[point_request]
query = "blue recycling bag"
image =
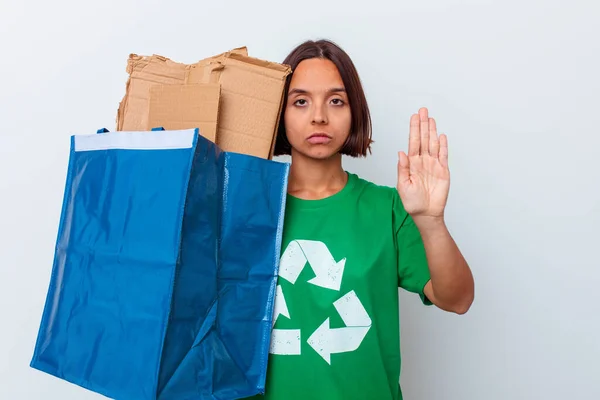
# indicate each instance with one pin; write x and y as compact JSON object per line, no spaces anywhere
{"x":165,"y":267}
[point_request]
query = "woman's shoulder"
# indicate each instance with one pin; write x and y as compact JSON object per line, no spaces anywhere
{"x":375,"y":191}
{"x":371,"y":186}
{"x":383,"y":199}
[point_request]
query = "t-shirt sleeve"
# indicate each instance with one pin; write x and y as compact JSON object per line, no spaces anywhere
{"x":413,"y":269}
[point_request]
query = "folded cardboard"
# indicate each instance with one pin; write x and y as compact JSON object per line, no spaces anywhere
{"x":145,"y":72}
{"x":162,"y":92}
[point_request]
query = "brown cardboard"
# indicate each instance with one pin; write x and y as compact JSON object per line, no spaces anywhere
{"x":251,"y":94}
{"x":182,"y":106}
{"x":145,"y":71}
{"x":251,"y":100}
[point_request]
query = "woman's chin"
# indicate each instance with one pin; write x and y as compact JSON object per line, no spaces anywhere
{"x":323,"y":153}
{"x":317,"y":152}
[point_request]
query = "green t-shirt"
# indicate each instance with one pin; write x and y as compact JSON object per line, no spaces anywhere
{"x":336,"y":333}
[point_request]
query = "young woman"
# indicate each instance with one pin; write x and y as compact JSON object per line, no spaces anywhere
{"x":349,"y":244}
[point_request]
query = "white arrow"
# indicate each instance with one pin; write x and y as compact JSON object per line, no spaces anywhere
{"x":328,"y":272}
{"x":292,"y":262}
{"x":280,"y":305}
{"x":283,"y":341}
{"x":328,"y":341}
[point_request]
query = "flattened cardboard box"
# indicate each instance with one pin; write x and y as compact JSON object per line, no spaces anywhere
{"x":144,"y":72}
{"x":250,"y":98}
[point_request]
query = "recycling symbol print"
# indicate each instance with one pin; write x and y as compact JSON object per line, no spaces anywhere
{"x":328,"y":275}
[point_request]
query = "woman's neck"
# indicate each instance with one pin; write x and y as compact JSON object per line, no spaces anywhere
{"x":312,"y":179}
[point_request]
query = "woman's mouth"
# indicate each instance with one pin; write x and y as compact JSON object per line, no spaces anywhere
{"x":319,"y":138}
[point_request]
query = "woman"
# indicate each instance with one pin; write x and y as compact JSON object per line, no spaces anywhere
{"x":349,"y":244}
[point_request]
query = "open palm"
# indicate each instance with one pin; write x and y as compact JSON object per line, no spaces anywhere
{"x":423,"y":174}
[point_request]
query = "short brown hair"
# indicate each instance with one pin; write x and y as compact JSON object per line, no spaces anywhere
{"x":359,"y":141}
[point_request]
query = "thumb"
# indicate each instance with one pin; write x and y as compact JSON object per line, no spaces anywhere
{"x":403,"y":169}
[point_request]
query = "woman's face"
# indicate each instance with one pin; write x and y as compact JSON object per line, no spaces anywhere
{"x":317,"y":115}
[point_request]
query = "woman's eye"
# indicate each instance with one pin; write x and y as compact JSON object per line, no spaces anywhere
{"x":337,"y":102}
{"x":300,"y":102}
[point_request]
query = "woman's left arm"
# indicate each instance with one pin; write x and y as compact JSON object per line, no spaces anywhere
{"x":451,"y":287}
{"x":423,"y":186}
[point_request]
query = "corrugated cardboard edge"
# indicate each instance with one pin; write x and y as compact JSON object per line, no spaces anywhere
{"x":276,"y":133}
{"x":261,"y":63}
{"x":241,"y":51}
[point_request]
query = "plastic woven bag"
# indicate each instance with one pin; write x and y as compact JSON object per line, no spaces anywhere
{"x":165,"y":268}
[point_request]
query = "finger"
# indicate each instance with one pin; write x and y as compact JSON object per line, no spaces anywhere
{"x":403,"y":168}
{"x":434,"y":142}
{"x":414,"y":138}
{"x":424,"y":129}
{"x":444,"y":150}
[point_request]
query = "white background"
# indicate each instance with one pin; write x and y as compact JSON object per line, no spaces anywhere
{"x":514,"y":84}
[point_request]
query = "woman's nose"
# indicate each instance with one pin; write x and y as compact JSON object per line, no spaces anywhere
{"x":319,"y":114}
